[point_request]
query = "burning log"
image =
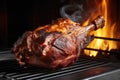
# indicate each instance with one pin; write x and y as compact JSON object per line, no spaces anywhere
{"x":55,"y":45}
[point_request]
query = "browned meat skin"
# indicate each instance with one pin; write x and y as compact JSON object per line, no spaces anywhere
{"x":51,"y":46}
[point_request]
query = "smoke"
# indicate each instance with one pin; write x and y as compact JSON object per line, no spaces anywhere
{"x":72,"y":11}
{"x":78,"y":12}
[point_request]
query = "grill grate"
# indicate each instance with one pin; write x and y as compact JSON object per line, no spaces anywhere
{"x":12,"y":71}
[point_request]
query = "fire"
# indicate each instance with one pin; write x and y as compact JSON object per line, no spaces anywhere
{"x":107,"y":31}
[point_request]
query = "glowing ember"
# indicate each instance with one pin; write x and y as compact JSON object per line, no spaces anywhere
{"x":107,"y":31}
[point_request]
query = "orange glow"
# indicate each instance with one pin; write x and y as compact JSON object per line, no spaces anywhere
{"x":106,"y":31}
{"x":61,"y":25}
{"x":86,"y":22}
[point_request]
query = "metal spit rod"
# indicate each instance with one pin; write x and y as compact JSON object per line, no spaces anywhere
{"x":106,"y":51}
{"x":100,"y":50}
{"x":106,"y":38}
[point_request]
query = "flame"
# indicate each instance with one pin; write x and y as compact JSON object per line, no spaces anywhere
{"x":107,"y":31}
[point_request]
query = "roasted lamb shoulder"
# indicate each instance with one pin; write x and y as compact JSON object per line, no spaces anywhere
{"x":52,"y":46}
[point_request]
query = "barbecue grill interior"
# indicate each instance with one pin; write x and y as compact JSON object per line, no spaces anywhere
{"x":19,"y":16}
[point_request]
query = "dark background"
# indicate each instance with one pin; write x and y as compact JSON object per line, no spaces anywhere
{"x":18,"y":16}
